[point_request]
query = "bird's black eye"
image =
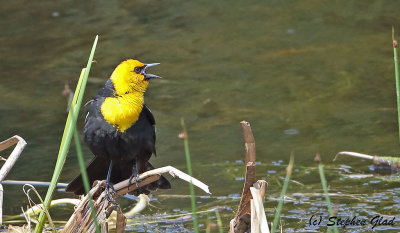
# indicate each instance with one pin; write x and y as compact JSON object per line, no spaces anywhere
{"x":137,"y":70}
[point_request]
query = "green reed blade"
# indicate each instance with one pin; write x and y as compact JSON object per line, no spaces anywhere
{"x":189,"y":167}
{"x":327,"y":198}
{"x":85,"y":178}
{"x":219,"y":221}
{"x":283,"y":193}
{"x":396,"y":72}
{"x":67,"y":136}
{"x":208,"y":226}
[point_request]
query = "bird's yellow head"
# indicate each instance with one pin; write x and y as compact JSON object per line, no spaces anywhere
{"x":131,"y":76}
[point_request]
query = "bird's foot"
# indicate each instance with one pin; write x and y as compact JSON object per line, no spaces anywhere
{"x":134,"y":176}
{"x":110,"y":191}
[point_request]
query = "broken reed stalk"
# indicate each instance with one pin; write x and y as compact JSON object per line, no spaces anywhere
{"x":82,"y":218}
{"x":327,"y":198}
{"x":396,"y":72}
{"x":189,"y":167}
{"x":283,"y":193}
{"x":241,"y":222}
{"x":10,"y":161}
{"x":250,"y":173}
{"x":259,"y":221}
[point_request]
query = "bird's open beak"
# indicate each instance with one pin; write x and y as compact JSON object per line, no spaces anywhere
{"x":149,"y":76}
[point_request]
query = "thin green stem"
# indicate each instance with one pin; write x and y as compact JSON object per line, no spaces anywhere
{"x":219,"y":221}
{"x":67,"y":136}
{"x":85,"y":178}
{"x":208,"y":226}
{"x":396,"y":71}
{"x":189,"y":167}
{"x":327,"y":198}
{"x":283,"y":193}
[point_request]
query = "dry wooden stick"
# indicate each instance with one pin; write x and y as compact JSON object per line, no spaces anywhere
{"x":10,"y":161}
{"x":123,"y":187}
{"x":153,"y":175}
{"x":249,"y":142}
{"x":241,"y":221}
{"x":355,"y":154}
{"x":14,"y":154}
{"x":82,"y":219}
{"x":393,"y":162}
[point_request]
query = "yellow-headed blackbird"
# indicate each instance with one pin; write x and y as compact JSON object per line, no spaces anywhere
{"x":120,"y":130}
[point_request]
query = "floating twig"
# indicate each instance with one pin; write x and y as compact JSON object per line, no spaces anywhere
{"x":378,"y":160}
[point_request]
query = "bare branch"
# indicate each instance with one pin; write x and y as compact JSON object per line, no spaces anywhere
{"x":14,"y":154}
{"x":153,"y":175}
{"x":354,"y":154}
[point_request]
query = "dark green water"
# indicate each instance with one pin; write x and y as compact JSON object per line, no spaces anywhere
{"x":310,"y":76}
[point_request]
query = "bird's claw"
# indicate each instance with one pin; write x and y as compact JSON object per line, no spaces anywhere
{"x":136,"y":178}
{"x":109,"y":195}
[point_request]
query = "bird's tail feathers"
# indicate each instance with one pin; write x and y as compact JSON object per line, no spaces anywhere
{"x":96,"y":170}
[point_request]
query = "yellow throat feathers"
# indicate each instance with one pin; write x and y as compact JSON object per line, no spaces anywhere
{"x":123,"y":109}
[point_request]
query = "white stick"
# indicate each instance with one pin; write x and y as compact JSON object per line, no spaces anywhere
{"x":173,"y":172}
{"x":14,"y":154}
{"x":9,"y":163}
{"x":354,"y":154}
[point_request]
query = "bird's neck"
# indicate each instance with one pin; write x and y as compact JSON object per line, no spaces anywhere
{"x":123,"y":111}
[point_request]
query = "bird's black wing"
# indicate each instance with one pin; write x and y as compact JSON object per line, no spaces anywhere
{"x":149,"y":115}
{"x":106,"y":91}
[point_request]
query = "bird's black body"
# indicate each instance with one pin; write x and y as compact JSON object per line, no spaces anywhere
{"x":129,"y":151}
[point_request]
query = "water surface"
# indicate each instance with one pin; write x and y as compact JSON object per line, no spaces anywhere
{"x":310,"y":76}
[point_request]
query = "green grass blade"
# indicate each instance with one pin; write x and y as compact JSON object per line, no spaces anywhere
{"x":189,"y":167}
{"x":327,"y":198}
{"x":396,"y":72}
{"x":283,"y":193}
{"x":219,"y":221}
{"x":85,"y":178}
{"x":67,"y":136}
{"x":208,"y":226}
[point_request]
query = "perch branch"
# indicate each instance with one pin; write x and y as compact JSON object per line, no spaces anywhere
{"x":153,"y":175}
{"x":82,"y":220}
